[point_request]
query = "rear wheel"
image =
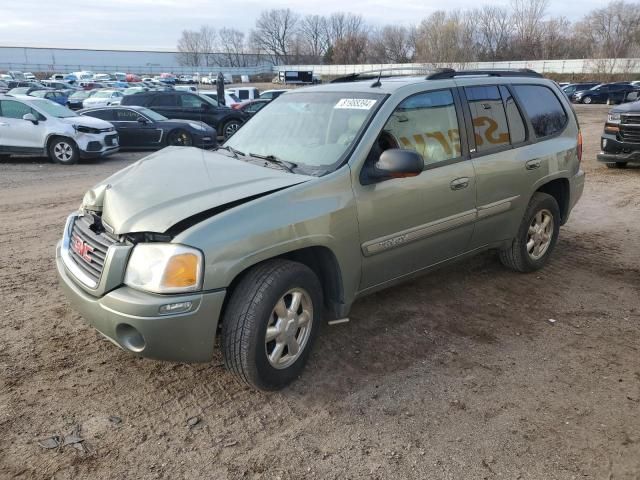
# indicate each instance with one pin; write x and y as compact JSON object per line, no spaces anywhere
{"x":180,"y":138}
{"x":537,"y":235}
{"x":270,"y":323}
{"x":587,"y":100}
{"x":617,"y":164}
{"x":231,"y":127}
{"x":63,"y":150}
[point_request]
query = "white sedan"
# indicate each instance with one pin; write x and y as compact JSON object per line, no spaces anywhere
{"x":103,"y":98}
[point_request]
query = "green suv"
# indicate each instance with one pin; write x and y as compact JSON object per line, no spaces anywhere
{"x":328,"y":194}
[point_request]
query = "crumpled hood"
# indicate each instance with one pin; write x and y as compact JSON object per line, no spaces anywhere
{"x":175,"y":183}
{"x":86,"y":121}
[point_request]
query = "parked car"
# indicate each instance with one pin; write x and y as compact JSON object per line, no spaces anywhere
{"x":572,"y":88}
{"x":189,"y":106}
{"x":244,"y":93}
{"x":329,"y":194}
{"x":141,"y":128}
{"x":38,"y":126}
{"x":4,"y":88}
{"x":187,"y":88}
{"x":271,"y":94}
{"x":53,"y":95}
{"x":59,"y":85}
{"x":57,"y":77}
{"x":75,"y":100}
{"x":16,"y":75}
{"x":25,"y":90}
{"x":132,"y":78}
{"x":230,"y":100}
{"x":620,"y":142}
{"x":251,"y":107}
{"x":103,"y":98}
{"x":29,"y":76}
{"x":90,"y":85}
{"x":605,"y":93}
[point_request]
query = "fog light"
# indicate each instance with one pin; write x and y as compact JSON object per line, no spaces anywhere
{"x":173,"y":308}
{"x":604,"y":143}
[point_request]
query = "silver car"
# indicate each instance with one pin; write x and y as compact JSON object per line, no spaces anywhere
{"x":37,"y":126}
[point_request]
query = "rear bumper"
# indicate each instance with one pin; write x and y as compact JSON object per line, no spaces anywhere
{"x":614,"y":150}
{"x":576,"y":188}
{"x":131,"y":319}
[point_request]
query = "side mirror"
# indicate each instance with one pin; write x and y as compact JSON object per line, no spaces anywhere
{"x":142,"y":120}
{"x":30,"y":117}
{"x":396,"y":163}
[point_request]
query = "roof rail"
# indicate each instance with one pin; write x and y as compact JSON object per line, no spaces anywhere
{"x":380,"y":73}
{"x":509,"y":72}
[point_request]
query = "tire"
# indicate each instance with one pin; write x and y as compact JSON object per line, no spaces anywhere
{"x":253,"y":307}
{"x":587,"y":100}
{"x":63,"y":150}
{"x":179,"y":138}
{"x":230,"y":128}
{"x":617,"y":165}
{"x":520,"y":256}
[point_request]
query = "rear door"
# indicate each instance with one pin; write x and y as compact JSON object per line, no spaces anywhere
{"x":510,"y":152}
{"x":408,"y":224}
{"x":166,"y":104}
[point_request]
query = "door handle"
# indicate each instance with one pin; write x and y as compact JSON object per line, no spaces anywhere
{"x":532,"y":164}
{"x":459,"y":183}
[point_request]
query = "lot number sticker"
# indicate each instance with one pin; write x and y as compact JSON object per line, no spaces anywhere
{"x":356,"y":103}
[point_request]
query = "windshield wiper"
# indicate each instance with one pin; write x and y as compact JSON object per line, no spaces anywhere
{"x":231,"y":150}
{"x":289,"y":166}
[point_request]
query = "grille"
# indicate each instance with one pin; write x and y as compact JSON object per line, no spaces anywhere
{"x":110,"y":140}
{"x":89,"y":249}
{"x":630,"y":134}
{"x":630,"y":120}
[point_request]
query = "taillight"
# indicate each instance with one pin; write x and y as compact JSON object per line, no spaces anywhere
{"x":579,"y":146}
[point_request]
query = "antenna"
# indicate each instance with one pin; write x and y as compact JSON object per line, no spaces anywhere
{"x":377,"y":83}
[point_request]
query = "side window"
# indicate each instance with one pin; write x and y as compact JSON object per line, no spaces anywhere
{"x":488,"y":116}
{"x":543,"y":108}
{"x":243,"y":94}
{"x":191,"y":101}
{"x":101,"y":114}
{"x":517,"y":130}
{"x":164,"y":101}
{"x":426,"y":123}
{"x":13,"y":109}
{"x":122,"y":115}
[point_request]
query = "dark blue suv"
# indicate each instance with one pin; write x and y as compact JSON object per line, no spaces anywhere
{"x":605,"y":93}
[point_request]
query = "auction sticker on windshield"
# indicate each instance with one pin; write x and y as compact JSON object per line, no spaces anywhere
{"x":356,"y":103}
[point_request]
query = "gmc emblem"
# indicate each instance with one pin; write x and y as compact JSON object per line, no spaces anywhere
{"x":82,"y":249}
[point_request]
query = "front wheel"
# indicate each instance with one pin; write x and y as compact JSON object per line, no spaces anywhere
{"x":587,"y":100}
{"x":231,"y":127}
{"x":64,"y":151}
{"x":537,"y":235}
{"x":180,"y":138}
{"x":270,"y":323}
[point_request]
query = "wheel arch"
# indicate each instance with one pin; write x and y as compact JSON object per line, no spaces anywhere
{"x":323,"y":262}
{"x":559,"y":189}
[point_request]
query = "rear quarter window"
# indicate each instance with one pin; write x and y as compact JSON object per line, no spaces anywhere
{"x":546,"y":113}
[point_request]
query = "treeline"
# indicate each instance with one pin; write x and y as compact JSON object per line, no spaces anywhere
{"x":522,"y":31}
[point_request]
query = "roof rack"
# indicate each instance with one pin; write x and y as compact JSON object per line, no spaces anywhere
{"x":383,"y":73}
{"x":509,"y":72}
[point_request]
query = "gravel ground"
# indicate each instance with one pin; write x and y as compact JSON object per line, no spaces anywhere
{"x":457,"y":375}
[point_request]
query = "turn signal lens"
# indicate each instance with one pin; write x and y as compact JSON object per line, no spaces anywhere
{"x":579,"y":146}
{"x":181,"y":271}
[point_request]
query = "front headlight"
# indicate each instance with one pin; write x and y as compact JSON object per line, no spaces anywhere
{"x":165,"y":268}
{"x":613,"y":118}
{"x":85,"y":129}
{"x":197,"y":126}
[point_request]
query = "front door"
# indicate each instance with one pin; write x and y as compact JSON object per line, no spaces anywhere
{"x":20,"y":135}
{"x":407,"y":224}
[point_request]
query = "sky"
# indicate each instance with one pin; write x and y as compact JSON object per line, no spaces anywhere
{"x":157,"y":24}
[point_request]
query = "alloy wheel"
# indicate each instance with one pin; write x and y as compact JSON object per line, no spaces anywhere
{"x":289,"y":328}
{"x":63,"y":151}
{"x":540,"y":234}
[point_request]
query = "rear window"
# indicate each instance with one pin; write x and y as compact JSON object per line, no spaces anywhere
{"x":543,"y":108}
{"x":101,"y":114}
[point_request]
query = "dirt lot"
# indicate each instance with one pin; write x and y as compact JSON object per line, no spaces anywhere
{"x":458,"y":375}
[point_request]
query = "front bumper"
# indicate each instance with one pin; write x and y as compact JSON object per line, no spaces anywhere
{"x":106,"y":151}
{"x":614,"y":150}
{"x":130,"y":319}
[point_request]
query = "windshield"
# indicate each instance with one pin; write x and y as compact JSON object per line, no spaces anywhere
{"x":314,"y":130}
{"x":156,"y":117}
{"x":597,"y":87}
{"x":53,"y":109}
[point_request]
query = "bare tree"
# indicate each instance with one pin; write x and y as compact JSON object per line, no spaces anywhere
{"x":492,"y":32}
{"x":351,"y":49}
{"x":275,"y":32}
{"x":314,"y":36}
{"x":391,"y":44}
{"x":232,"y":48}
{"x":341,"y":25}
{"x":195,"y":47}
{"x":527,"y":19}
{"x":446,"y":38}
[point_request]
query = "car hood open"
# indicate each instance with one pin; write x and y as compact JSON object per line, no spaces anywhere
{"x":177,"y":183}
